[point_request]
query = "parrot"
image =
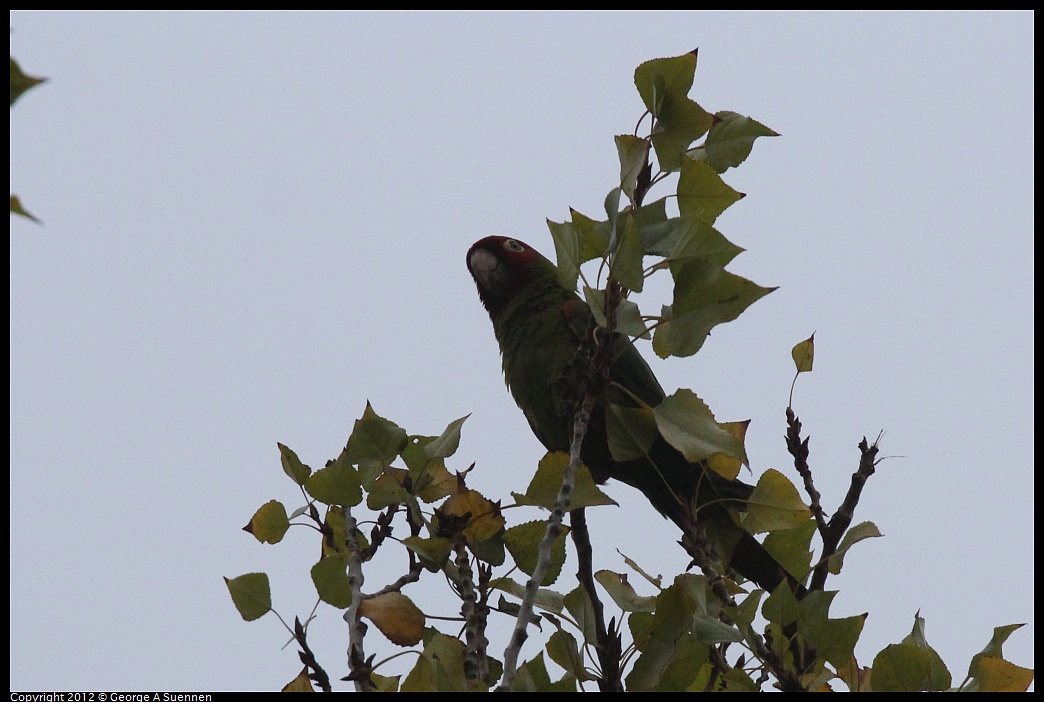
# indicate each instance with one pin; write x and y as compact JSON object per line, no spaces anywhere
{"x":539,"y":325}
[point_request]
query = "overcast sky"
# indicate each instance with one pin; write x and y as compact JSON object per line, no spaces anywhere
{"x":253,"y":223}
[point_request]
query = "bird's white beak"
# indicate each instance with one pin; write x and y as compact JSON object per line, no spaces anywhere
{"x":484,"y":268}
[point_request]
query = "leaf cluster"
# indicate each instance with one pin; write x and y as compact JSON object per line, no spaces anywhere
{"x":702,"y":631}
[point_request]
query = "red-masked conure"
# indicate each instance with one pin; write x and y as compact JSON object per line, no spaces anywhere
{"x":539,"y":325}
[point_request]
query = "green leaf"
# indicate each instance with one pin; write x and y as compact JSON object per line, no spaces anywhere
{"x":702,"y":193}
{"x":251,"y":595}
{"x":674,"y":615}
{"x":792,"y":547}
{"x":730,"y":140}
{"x":592,"y":235}
{"x":385,"y":683}
{"x":388,"y":489}
{"x":803,"y":353}
{"x":634,"y":154}
{"x":336,"y":484}
{"x":543,"y":489}
{"x":783,"y":608}
{"x":680,"y":122}
{"x":690,"y":656}
{"x":910,"y":666}
{"x":625,"y":596}
{"x":938,"y":675}
{"x":546,"y":599}
{"x":434,"y":482}
{"x":16,"y":208}
{"x":661,"y":342}
{"x":578,"y":603}
{"x":612,"y":210}
{"x":21,"y":82}
{"x":705,"y":295}
{"x":435,"y":550}
{"x":629,"y":320}
{"x":688,"y":425}
{"x":835,"y":639}
{"x":440,"y":668}
{"x":774,"y":504}
{"x":292,"y":465}
{"x":709,"y":630}
{"x":595,"y":299}
{"x":374,"y":438}
{"x":744,"y":614}
{"x":627,"y":260}
{"x":532,"y":676}
{"x":651,"y":213}
{"x":628,"y":317}
{"x":679,"y":238}
{"x":900,"y":668}
{"x":631,"y":431}
{"x":269,"y":523}
{"x":414,"y":453}
{"x":567,"y":251}
{"x":865,"y":530}
{"x":523,"y":543}
{"x":330,"y":576}
{"x":446,"y":444}
{"x":737,"y":680}
{"x":653,"y":77}
{"x":490,"y":550}
{"x":562,"y":649}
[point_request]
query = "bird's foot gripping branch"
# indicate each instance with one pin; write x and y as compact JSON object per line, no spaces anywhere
{"x":595,"y":404}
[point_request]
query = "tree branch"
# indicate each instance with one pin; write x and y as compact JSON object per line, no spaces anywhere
{"x":554,"y":530}
{"x":476,"y":665}
{"x":359,"y":666}
{"x":842,"y":519}
{"x":608,"y":645}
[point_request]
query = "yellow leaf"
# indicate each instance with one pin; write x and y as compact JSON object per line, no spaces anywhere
{"x":998,"y":675}
{"x":802,"y":354}
{"x":396,"y":616}
{"x":299,"y":684}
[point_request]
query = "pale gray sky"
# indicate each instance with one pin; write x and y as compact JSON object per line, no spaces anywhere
{"x":254,"y":223}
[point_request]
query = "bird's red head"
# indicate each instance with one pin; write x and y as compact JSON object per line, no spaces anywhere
{"x":501,"y":266}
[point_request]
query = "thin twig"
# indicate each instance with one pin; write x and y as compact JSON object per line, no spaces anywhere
{"x":315,"y":671}
{"x":798,"y":448}
{"x":608,"y":645}
{"x":842,"y":519}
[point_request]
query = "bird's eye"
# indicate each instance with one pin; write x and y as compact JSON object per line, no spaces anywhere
{"x":512,"y":245}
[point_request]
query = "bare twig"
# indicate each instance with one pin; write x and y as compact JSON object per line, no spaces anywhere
{"x":799,"y":450}
{"x":842,"y":519}
{"x":382,"y":531}
{"x":608,"y":645}
{"x":315,"y":671}
{"x":411,"y":576}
